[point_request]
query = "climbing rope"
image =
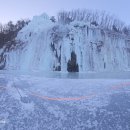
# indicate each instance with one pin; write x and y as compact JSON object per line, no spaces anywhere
{"x":119,"y":86}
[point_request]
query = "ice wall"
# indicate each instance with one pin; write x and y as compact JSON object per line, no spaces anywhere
{"x":54,"y":47}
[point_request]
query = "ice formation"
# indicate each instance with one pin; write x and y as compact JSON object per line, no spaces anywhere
{"x":77,"y":46}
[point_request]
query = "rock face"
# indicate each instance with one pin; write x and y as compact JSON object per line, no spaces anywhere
{"x":73,"y":47}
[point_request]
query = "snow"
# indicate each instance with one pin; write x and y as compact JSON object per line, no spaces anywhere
{"x":25,"y":58}
{"x":105,"y":103}
{"x":49,"y":45}
{"x":33,"y":97}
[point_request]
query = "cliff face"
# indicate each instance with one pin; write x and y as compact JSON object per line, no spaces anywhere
{"x":73,"y":47}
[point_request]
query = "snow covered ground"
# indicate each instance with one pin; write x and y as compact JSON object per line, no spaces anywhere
{"x":35,"y":102}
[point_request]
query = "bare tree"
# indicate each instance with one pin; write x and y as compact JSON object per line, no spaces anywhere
{"x":97,"y":18}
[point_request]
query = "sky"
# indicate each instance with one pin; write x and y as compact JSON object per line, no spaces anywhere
{"x":20,"y":9}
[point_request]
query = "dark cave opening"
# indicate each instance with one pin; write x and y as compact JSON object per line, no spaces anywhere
{"x":72,"y":65}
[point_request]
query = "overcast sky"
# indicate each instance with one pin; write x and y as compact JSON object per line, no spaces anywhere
{"x":17,"y":9}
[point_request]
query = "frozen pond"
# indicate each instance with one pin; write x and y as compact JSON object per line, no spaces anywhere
{"x":67,"y":75}
{"x":89,"y":75}
{"x":62,"y":101}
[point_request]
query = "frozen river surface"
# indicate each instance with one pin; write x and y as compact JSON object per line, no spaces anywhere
{"x":95,"y":101}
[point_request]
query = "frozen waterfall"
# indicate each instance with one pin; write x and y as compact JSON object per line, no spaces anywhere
{"x":77,"y":46}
